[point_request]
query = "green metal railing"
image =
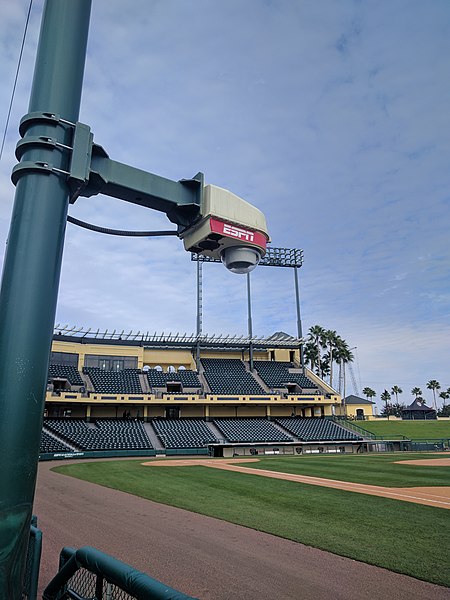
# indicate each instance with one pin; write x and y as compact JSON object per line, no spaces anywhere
{"x":356,"y":428}
{"x":367,"y":434}
{"x":31,"y":578}
{"x":88,"y":574}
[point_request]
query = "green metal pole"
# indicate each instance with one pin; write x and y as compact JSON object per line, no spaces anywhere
{"x":31,"y":278}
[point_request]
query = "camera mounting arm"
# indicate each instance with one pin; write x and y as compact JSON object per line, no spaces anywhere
{"x":211,"y":221}
{"x":92,"y":172}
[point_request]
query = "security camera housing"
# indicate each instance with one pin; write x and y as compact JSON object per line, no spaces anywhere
{"x":230,"y":229}
{"x":239,"y":259}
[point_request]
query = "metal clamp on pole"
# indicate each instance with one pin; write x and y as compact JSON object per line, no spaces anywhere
{"x":80,"y":163}
{"x":29,"y":143}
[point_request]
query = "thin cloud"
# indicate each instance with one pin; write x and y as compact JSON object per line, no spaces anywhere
{"x":331,"y":117}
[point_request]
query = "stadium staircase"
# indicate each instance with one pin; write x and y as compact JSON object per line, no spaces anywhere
{"x":144,"y":383}
{"x":205,"y":387}
{"x":60,"y":439}
{"x":216,"y":431}
{"x":256,"y":377}
{"x":285,"y":431}
{"x":87,"y":382}
{"x":154,"y":439}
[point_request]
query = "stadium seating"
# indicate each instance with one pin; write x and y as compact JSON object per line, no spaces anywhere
{"x":276,"y":374}
{"x":228,"y":376}
{"x":183,"y":433}
{"x":316,"y":430}
{"x":65,"y":372}
{"x":51,"y":444}
{"x":105,"y":434}
{"x":250,"y":430}
{"x":130,"y":434}
{"x":125,"y":381}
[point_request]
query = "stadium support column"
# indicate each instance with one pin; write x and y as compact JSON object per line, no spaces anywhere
{"x":199,"y":311}
{"x":299,"y":320}
{"x":250,"y":326}
{"x":32,"y":270}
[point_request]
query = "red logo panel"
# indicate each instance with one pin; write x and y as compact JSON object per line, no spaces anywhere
{"x":239,"y":233}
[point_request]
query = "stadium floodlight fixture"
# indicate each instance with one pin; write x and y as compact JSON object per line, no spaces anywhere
{"x":274,"y":257}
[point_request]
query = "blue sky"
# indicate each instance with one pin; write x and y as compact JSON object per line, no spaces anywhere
{"x":332,"y":117}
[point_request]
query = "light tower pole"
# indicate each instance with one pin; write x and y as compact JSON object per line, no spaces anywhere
{"x":299,"y":319}
{"x":250,"y":324}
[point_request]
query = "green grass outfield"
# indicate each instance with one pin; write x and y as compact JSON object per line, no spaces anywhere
{"x":400,"y":536}
{"x":410,"y":429}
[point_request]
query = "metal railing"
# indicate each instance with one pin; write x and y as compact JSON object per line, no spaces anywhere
{"x":353,"y":427}
{"x":88,"y":574}
{"x":344,"y":422}
{"x":30,"y":581}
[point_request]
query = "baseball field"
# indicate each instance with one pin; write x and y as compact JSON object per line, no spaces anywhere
{"x":407,"y":537}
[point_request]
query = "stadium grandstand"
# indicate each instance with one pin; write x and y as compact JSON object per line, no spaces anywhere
{"x":114,"y":393}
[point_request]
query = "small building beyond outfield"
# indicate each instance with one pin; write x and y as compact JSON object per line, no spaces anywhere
{"x":359,"y":408}
{"x":418,"y":410}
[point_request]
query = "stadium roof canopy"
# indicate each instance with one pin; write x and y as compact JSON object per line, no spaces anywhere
{"x":172,"y":340}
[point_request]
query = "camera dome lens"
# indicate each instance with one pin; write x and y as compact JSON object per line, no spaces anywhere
{"x":239,"y":259}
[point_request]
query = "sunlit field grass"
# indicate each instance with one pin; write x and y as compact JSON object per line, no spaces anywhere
{"x":400,"y":536}
{"x":375,"y":469}
{"x":410,"y":429}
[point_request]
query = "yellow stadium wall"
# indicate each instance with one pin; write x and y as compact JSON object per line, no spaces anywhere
{"x":251,"y":411}
{"x":98,"y":350}
{"x":353,"y":408}
{"x":169,"y":358}
{"x":115,"y":409}
{"x":192,"y":411}
{"x":222,"y":411}
{"x":163,"y":357}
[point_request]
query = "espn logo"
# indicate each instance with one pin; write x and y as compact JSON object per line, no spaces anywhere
{"x":236,"y":232}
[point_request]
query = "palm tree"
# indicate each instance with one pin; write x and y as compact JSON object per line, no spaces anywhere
{"x":385,"y":397}
{"x":310,"y":353}
{"x":369,"y":392}
{"x":434,"y":385}
{"x":343,"y":356}
{"x":325,"y":366}
{"x":416,"y":392}
{"x":445,"y":396}
{"x":396,"y":391}
{"x":330,"y":339}
{"x":315,"y":335}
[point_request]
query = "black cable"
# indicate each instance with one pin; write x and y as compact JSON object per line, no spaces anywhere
{"x":92,"y":227}
{"x":15,"y":80}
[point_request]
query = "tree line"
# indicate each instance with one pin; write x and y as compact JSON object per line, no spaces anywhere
{"x":326,"y":352}
{"x":395,"y":408}
{"x":327,"y":355}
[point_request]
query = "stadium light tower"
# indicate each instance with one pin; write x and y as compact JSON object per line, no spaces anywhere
{"x":59,"y":162}
{"x":274,"y":257}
